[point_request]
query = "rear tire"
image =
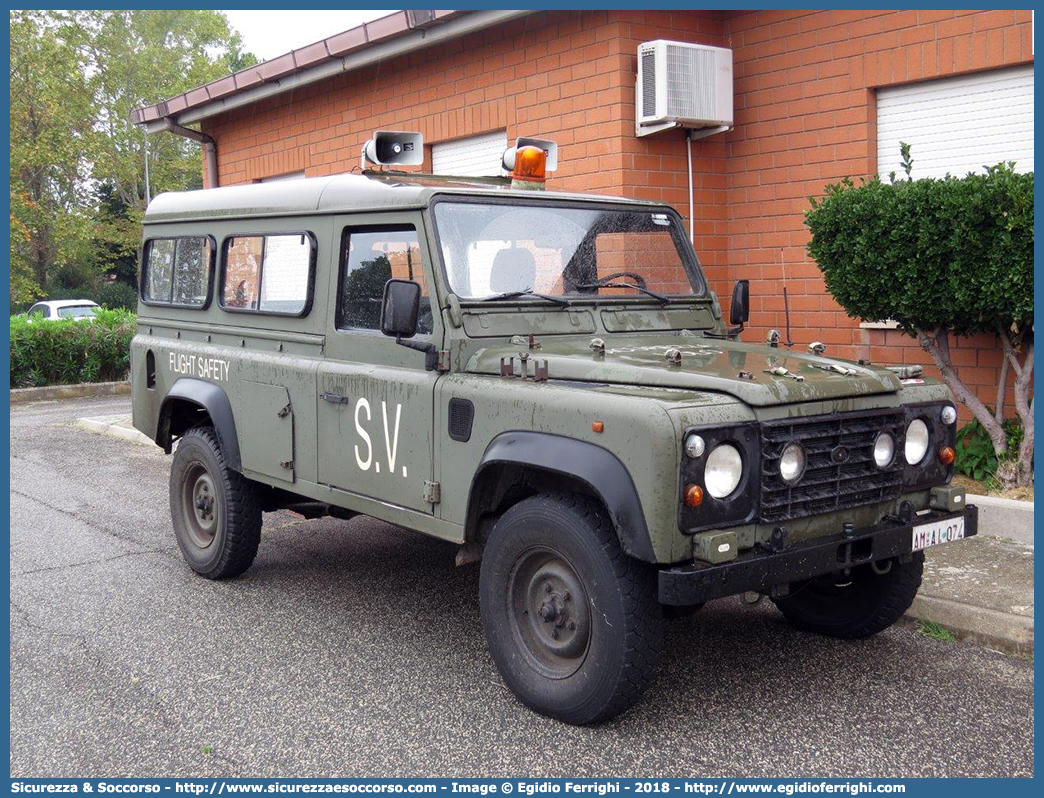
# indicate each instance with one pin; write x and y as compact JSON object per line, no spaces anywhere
{"x":859,"y":605}
{"x":215,"y":511}
{"x":573,"y":623}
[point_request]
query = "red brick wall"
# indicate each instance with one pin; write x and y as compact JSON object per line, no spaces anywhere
{"x":804,"y":85}
{"x":805,"y":117}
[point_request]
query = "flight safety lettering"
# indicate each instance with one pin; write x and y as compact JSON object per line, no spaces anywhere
{"x":209,"y":368}
{"x":391,"y":438}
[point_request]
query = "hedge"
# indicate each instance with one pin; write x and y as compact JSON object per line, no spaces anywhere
{"x":68,"y":352}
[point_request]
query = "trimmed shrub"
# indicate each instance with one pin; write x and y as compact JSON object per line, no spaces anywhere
{"x":67,"y":352}
{"x":942,"y":258}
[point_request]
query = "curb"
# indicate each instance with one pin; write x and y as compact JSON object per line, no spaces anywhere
{"x":77,"y":391}
{"x":1004,"y":518}
{"x":114,"y":431}
{"x":990,"y":628}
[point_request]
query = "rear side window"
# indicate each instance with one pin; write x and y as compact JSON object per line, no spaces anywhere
{"x":176,"y":271}
{"x":268,"y":273}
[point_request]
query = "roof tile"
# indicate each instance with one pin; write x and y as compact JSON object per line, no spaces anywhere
{"x":387,"y":26}
{"x":197,"y":96}
{"x":311,"y":55}
{"x":251,"y":76}
{"x":346,"y":42}
{"x":277,"y":67}
{"x":221,"y":87}
{"x":176,"y":104}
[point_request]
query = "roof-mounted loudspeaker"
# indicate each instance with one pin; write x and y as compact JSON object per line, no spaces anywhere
{"x":394,"y":148}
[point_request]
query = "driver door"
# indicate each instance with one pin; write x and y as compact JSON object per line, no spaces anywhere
{"x":375,"y":400}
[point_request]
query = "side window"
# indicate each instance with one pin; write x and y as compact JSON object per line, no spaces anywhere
{"x":177,"y":271}
{"x":38,"y":309}
{"x":268,"y":274}
{"x":371,"y":257}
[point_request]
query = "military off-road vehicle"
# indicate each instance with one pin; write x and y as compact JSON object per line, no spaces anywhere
{"x":546,"y":380}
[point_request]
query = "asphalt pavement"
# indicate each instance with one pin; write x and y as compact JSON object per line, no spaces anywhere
{"x":354,"y":649}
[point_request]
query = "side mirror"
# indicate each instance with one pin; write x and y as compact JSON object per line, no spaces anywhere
{"x":400,"y":308}
{"x":399,"y":311}
{"x":739,"y":312}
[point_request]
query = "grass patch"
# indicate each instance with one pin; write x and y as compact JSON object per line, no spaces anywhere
{"x":208,"y":749}
{"x":936,"y":631}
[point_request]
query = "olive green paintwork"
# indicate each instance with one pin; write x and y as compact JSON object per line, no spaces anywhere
{"x":378,"y":452}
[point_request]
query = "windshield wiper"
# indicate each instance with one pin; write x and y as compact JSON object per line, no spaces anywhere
{"x":527,"y":292}
{"x":659,"y":297}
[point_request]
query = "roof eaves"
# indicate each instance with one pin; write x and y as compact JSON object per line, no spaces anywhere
{"x":336,"y":46}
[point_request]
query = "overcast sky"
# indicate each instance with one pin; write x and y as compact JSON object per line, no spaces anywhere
{"x":267,"y":34}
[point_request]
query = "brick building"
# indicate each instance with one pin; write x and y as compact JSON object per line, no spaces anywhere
{"x":818,"y":96}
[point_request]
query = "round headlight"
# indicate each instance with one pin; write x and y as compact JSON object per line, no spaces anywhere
{"x":948,"y":414}
{"x":723,"y":471}
{"x":792,"y":462}
{"x":884,"y":450}
{"x":916,"y":441}
{"x":694,"y":446}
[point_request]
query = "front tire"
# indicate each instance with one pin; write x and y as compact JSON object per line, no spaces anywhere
{"x":215,"y":511}
{"x":572,"y":623}
{"x":858,"y":605}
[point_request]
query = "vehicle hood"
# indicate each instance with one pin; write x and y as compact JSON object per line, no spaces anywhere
{"x":706,"y":365}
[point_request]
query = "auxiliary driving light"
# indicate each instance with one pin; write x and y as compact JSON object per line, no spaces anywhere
{"x":792,"y":462}
{"x":884,"y":449}
{"x":948,"y":414}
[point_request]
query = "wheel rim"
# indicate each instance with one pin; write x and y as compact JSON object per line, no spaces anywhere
{"x":549,"y":612}
{"x":200,"y":505}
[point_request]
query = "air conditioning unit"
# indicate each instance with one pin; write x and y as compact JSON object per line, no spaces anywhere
{"x":683,"y":85}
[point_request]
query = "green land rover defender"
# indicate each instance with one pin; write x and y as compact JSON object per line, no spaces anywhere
{"x":545,"y":380}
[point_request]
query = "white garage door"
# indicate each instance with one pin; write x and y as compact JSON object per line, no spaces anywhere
{"x":958,"y":125}
{"x":477,"y":156}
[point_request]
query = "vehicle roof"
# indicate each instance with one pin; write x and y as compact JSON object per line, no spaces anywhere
{"x":335,"y":194}
{"x":65,"y":303}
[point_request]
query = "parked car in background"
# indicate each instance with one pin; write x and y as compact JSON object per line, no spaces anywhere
{"x":78,"y":309}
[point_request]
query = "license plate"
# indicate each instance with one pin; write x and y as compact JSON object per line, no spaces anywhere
{"x":938,"y":532}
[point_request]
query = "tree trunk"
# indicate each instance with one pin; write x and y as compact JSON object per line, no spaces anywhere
{"x":938,"y":346}
{"x":1023,"y":385}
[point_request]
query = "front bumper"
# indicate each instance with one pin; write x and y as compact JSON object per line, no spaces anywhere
{"x":759,"y":571}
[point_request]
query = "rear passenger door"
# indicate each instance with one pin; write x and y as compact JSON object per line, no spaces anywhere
{"x":375,"y":400}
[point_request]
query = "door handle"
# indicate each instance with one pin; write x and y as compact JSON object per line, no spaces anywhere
{"x":335,"y":398}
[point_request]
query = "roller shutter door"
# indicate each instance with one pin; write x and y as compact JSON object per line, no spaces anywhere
{"x":958,"y":125}
{"x":476,"y":156}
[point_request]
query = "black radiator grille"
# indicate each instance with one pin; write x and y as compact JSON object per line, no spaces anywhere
{"x":827,"y":484}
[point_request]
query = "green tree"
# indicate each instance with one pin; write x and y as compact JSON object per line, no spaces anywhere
{"x":75,"y":78}
{"x":53,"y":142}
{"x":942,"y":258}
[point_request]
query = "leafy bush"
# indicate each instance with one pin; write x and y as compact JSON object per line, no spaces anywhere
{"x":976,"y":457}
{"x":66,"y":352}
{"x":117,"y":296}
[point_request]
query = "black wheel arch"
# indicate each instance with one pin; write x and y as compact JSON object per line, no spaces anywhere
{"x":516,"y":458}
{"x":190,"y":402}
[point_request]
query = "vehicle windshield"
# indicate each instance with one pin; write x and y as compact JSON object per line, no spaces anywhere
{"x":77,"y":311}
{"x":511,"y":249}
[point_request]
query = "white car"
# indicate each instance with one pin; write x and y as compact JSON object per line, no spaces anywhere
{"x":80,"y":309}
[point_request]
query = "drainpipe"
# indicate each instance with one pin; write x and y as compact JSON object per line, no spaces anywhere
{"x":208,"y":143}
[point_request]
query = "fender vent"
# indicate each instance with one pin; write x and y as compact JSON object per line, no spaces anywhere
{"x":461,"y":416}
